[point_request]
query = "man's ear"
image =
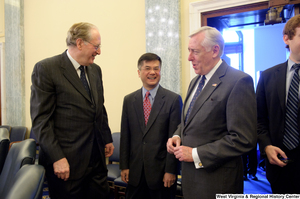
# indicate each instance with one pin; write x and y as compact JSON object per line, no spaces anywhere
{"x":286,"y":39}
{"x":216,"y":50}
{"x":79,"y":43}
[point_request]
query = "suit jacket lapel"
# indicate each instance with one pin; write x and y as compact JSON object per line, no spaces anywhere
{"x":138,"y":106}
{"x":71,"y":75}
{"x":156,"y":107}
{"x":209,"y":88}
{"x":280,"y":76}
{"x":190,"y":89}
{"x":93,"y":82}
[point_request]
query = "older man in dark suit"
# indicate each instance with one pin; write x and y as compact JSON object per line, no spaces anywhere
{"x":69,"y":118}
{"x":150,"y":116}
{"x":218,"y":123}
{"x":278,"y":121}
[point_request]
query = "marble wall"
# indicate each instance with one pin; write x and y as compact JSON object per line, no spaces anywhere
{"x":163,"y":38}
{"x":13,"y":102}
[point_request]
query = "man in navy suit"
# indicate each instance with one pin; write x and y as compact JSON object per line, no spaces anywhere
{"x":146,"y":166}
{"x":282,"y":167}
{"x":69,"y":118}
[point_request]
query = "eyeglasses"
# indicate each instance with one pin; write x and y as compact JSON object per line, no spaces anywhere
{"x":95,"y":46}
{"x":156,"y":69}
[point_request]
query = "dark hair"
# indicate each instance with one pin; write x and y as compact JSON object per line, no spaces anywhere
{"x":148,"y":57}
{"x":290,"y":27}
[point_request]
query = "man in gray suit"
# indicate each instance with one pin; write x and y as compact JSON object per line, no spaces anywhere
{"x":218,"y":126}
{"x":69,"y":118}
{"x":147,"y":167}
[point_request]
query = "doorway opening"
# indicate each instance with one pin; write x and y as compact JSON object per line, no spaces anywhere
{"x":251,"y":45}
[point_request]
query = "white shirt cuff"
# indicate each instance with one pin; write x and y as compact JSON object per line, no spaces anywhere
{"x":196,"y":158}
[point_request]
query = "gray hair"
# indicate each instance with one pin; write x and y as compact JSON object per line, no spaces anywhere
{"x":212,"y":37}
{"x":79,"y":30}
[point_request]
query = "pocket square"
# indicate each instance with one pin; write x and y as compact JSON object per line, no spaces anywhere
{"x":214,"y":85}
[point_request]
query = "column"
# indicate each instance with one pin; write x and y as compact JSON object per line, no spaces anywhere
{"x":163,"y":39}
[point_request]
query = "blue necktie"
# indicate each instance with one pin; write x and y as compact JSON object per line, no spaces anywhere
{"x":291,"y":136}
{"x":84,"y":81}
{"x":199,"y":89}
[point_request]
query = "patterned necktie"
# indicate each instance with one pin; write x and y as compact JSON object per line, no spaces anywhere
{"x":147,"y":107}
{"x":291,"y":136}
{"x":84,"y":81}
{"x":199,"y":89}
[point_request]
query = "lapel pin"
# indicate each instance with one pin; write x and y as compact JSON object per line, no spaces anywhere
{"x":214,"y":85}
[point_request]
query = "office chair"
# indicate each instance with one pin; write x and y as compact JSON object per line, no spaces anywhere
{"x":27,"y":183}
{"x":18,"y":133}
{"x":113,"y":166}
{"x":4,"y":144}
{"x":19,"y":154}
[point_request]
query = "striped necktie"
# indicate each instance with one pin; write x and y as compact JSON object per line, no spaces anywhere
{"x":291,"y":136}
{"x":198,"y":91}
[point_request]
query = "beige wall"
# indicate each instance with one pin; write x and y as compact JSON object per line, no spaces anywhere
{"x":185,"y":32}
{"x":122,"y":28}
{"x":1,"y":21}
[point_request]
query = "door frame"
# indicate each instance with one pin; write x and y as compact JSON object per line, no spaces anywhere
{"x":203,"y":9}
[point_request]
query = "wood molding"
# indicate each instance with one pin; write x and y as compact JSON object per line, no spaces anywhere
{"x":237,"y":9}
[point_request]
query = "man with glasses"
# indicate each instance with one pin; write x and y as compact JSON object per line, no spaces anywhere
{"x":150,"y":116}
{"x":69,"y":118}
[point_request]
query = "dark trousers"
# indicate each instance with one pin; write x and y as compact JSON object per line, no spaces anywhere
{"x":92,"y":185}
{"x":250,"y":162}
{"x":144,"y":192}
{"x":287,"y":177}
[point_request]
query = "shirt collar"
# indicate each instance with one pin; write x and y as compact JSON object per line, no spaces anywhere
{"x":213,"y":70}
{"x":73,"y":61}
{"x":152,"y":91}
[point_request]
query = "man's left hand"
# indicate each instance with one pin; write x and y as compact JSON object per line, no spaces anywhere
{"x":169,"y":179}
{"x":184,"y":153}
{"x":109,"y":149}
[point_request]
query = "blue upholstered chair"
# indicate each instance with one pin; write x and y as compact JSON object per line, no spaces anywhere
{"x":20,"y":154}
{"x":4,"y":145}
{"x":27,"y":183}
{"x":120,"y":187}
{"x":18,"y":133}
{"x":113,"y":166}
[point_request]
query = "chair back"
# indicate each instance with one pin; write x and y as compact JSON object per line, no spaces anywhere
{"x":18,"y":133}
{"x":6,"y":127}
{"x":27,"y":183}
{"x":116,"y":142}
{"x":19,"y":154}
{"x":4,"y":144}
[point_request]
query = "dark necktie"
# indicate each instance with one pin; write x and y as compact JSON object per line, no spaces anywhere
{"x":84,"y":81}
{"x":291,"y":136}
{"x":198,"y":91}
{"x":147,"y":107}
